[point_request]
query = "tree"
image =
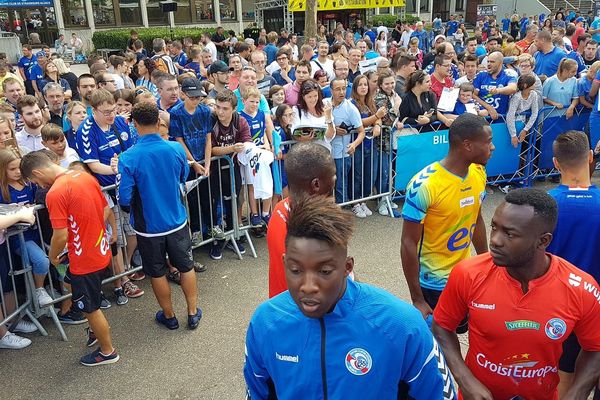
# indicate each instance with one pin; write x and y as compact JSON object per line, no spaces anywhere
{"x":310,"y":19}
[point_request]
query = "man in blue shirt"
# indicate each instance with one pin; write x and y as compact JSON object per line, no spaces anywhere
{"x":36,"y":72}
{"x":577,"y":234}
{"x":190,"y":122}
{"x":331,"y":337}
{"x":271,"y":48}
{"x":421,"y":34}
{"x":494,"y":87}
{"x":350,"y":133}
{"x":152,"y":174}
{"x":547,"y":57}
{"x":102,"y":137}
{"x":26,"y":63}
{"x":524,"y":22}
{"x":248,"y":79}
{"x":505,"y":23}
{"x":451,"y":26}
{"x":594,"y":29}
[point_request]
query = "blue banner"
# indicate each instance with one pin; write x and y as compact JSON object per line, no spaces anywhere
{"x":26,"y":3}
{"x":553,"y":127}
{"x":417,"y":151}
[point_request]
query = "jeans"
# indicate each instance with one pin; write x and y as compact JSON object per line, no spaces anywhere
{"x":36,"y":257}
{"x":366,"y":166}
{"x":342,"y":174}
{"x":382,"y":183}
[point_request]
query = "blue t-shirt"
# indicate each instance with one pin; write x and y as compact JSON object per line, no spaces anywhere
{"x":451,"y":27}
{"x":372,"y":35}
{"x":257,"y":126}
{"x":480,"y":50}
{"x":576,"y":237}
{"x":524,"y":23}
{"x":63,"y":84}
{"x":193,"y":128}
{"x":36,"y":74}
{"x":95,"y":145}
{"x":484,"y":81}
{"x":437,"y":24}
{"x":584,"y":85}
{"x":573,"y":55}
{"x":181,"y":59}
{"x":271,"y":51}
{"x":27,"y":64}
{"x":282,"y":82}
{"x":505,"y":24}
{"x":560,"y":92}
{"x":596,"y":25}
{"x":195,"y":66}
{"x":547,"y":64}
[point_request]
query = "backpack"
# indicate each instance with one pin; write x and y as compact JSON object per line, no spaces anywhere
{"x":164,"y":65}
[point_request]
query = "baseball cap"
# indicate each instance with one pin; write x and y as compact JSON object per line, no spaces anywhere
{"x":218,"y":66}
{"x":193,"y":87}
{"x":580,"y":19}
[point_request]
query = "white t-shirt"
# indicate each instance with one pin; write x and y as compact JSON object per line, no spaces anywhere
{"x":327,"y":67}
{"x":119,"y":82}
{"x":70,"y":156}
{"x":257,"y":170}
{"x":307,"y":119}
{"x":210,"y":46}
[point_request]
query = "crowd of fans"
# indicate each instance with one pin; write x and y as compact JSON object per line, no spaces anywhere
{"x":352,"y":90}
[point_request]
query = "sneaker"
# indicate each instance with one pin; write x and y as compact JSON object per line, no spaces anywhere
{"x":217,"y":232}
{"x":216,"y":250}
{"x":358,"y":211}
{"x":12,"y":341}
{"x":72,"y":317}
{"x":266,"y":219}
{"x":240,"y":247}
{"x":137,"y":276}
{"x":394,"y":205}
{"x":104,"y":303}
{"x":199,"y":267}
{"x":170,"y":323}
{"x":256,"y":221}
{"x":121,"y":298}
{"x":382,"y":209}
{"x":42,"y":297}
{"x":91,"y":337}
{"x":196,"y":239}
{"x":97,"y":358}
{"x":194,"y":320}
{"x":505,"y":189}
{"x":132,"y":290}
{"x":366,"y":210}
{"x":396,"y":214}
{"x":25,"y":327}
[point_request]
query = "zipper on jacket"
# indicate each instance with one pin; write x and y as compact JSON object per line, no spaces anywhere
{"x":323,"y":369}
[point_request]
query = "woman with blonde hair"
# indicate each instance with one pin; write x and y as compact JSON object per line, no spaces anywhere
{"x":65,"y":72}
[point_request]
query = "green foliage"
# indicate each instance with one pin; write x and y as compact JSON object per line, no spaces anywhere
{"x":390,"y":20}
{"x":117,"y":38}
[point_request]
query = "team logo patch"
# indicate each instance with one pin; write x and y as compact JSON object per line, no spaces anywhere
{"x":124,"y":136}
{"x":80,"y":305}
{"x":555,"y":328}
{"x":358,"y":361}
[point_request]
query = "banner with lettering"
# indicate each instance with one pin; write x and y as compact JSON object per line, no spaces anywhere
{"x":300,"y":5}
{"x":417,"y":151}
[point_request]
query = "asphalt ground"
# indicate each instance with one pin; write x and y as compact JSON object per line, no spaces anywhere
{"x":202,"y":364}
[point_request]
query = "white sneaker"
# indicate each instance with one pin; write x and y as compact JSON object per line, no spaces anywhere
{"x":394,"y":205}
{"x":12,"y":341}
{"x":358,"y":211}
{"x":25,"y":327}
{"x":42,"y":297}
{"x":366,"y":210}
{"x":382,"y":209}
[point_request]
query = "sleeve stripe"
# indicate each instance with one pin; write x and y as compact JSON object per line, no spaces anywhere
{"x":429,"y":358}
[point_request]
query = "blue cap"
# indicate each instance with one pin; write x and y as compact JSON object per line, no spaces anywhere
{"x":580,"y":19}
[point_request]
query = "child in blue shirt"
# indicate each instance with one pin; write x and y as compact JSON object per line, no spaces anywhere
{"x":466,"y":103}
{"x":261,"y":132}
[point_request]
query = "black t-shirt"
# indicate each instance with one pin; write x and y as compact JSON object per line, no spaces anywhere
{"x":590,"y":62}
{"x":282,"y":41}
{"x":218,"y":39}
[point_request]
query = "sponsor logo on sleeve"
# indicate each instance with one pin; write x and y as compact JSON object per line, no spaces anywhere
{"x":287,"y":358}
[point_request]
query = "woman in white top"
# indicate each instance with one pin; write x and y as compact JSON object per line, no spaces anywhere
{"x":381,"y":44}
{"x":312,"y":112}
{"x":525,"y":99}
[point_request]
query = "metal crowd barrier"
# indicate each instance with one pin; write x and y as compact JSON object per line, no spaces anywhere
{"x":29,"y":306}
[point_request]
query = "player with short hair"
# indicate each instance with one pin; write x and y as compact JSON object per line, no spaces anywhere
{"x":442,"y":212}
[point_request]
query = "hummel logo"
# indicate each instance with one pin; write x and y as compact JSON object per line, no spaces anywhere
{"x":283,"y":357}
{"x":574,"y":280}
